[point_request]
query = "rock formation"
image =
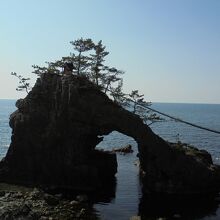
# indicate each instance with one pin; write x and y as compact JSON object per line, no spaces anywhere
{"x":58,"y":125}
{"x":125,"y":149}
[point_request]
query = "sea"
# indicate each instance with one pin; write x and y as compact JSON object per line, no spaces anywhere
{"x":126,"y":199}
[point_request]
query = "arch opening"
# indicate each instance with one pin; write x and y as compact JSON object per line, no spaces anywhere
{"x":127,"y":191}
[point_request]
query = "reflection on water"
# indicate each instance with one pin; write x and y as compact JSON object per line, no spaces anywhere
{"x":106,"y":194}
{"x":123,"y":205}
{"x":178,"y":207}
{"x":126,"y":200}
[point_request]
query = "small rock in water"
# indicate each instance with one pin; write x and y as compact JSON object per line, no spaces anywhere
{"x":125,"y":149}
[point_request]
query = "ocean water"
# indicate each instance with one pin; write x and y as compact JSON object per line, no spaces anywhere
{"x":128,"y":200}
{"x":6,"y":108}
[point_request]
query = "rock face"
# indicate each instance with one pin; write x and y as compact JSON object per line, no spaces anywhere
{"x":58,"y":125}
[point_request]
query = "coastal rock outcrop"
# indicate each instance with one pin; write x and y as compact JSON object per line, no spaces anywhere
{"x":58,"y":125}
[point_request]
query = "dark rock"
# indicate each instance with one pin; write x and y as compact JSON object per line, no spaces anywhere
{"x":2,"y":193}
{"x":82,"y":213}
{"x":176,"y":216}
{"x":15,"y":212}
{"x":51,"y":200}
{"x":36,"y":194}
{"x":23,"y":210}
{"x":59,"y":196}
{"x":74,"y":203}
{"x":18,"y":195}
{"x":57,"y":127}
{"x":82,"y":198}
{"x":126,"y":149}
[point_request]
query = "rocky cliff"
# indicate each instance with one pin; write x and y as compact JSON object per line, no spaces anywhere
{"x":58,"y":125}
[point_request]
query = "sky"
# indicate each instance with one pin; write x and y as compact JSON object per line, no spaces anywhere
{"x":169,"y":49}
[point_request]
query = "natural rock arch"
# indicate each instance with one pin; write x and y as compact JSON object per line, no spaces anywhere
{"x":57,"y":126}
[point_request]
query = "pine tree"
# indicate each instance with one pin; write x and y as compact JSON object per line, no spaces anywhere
{"x":82,"y":62}
{"x":24,"y":85}
{"x":97,"y":63}
{"x":139,"y":107}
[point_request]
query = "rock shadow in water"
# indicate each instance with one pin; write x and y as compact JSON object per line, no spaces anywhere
{"x":181,"y":207}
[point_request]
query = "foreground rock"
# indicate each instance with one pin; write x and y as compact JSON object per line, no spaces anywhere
{"x":34,"y":204}
{"x":58,"y":125}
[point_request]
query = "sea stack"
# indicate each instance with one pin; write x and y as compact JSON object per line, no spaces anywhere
{"x":57,"y":126}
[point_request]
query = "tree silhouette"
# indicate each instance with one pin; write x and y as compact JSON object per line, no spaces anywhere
{"x":88,"y":59}
{"x":81,"y":46}
{"x":97,"y":63}
{"x":24,"y":85}
{"x":139,"y":106}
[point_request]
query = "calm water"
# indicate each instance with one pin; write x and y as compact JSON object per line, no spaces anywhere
{"x":128,"y":200}
{"x":6,"y":108}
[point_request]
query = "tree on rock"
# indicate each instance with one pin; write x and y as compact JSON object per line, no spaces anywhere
{"x":97,"y":63}
{"x":88,"y":59}
{"x":24,"y":85}
{"x":81,"y":46}
{"x":139,"y":107}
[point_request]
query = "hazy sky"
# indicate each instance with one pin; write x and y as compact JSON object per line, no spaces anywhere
{"x":169,"y":49}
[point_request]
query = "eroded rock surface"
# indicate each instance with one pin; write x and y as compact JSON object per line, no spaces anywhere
{"x":57,"y":126}
{"x":22,"y":203}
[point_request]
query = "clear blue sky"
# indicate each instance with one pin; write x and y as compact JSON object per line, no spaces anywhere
{"x":169,"y":49}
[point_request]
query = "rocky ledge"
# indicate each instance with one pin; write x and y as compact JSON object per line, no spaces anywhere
{"x":58,"y":125}
{"x":18,"y":202}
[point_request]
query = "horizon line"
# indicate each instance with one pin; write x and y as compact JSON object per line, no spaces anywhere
{"x":159,"y":102}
